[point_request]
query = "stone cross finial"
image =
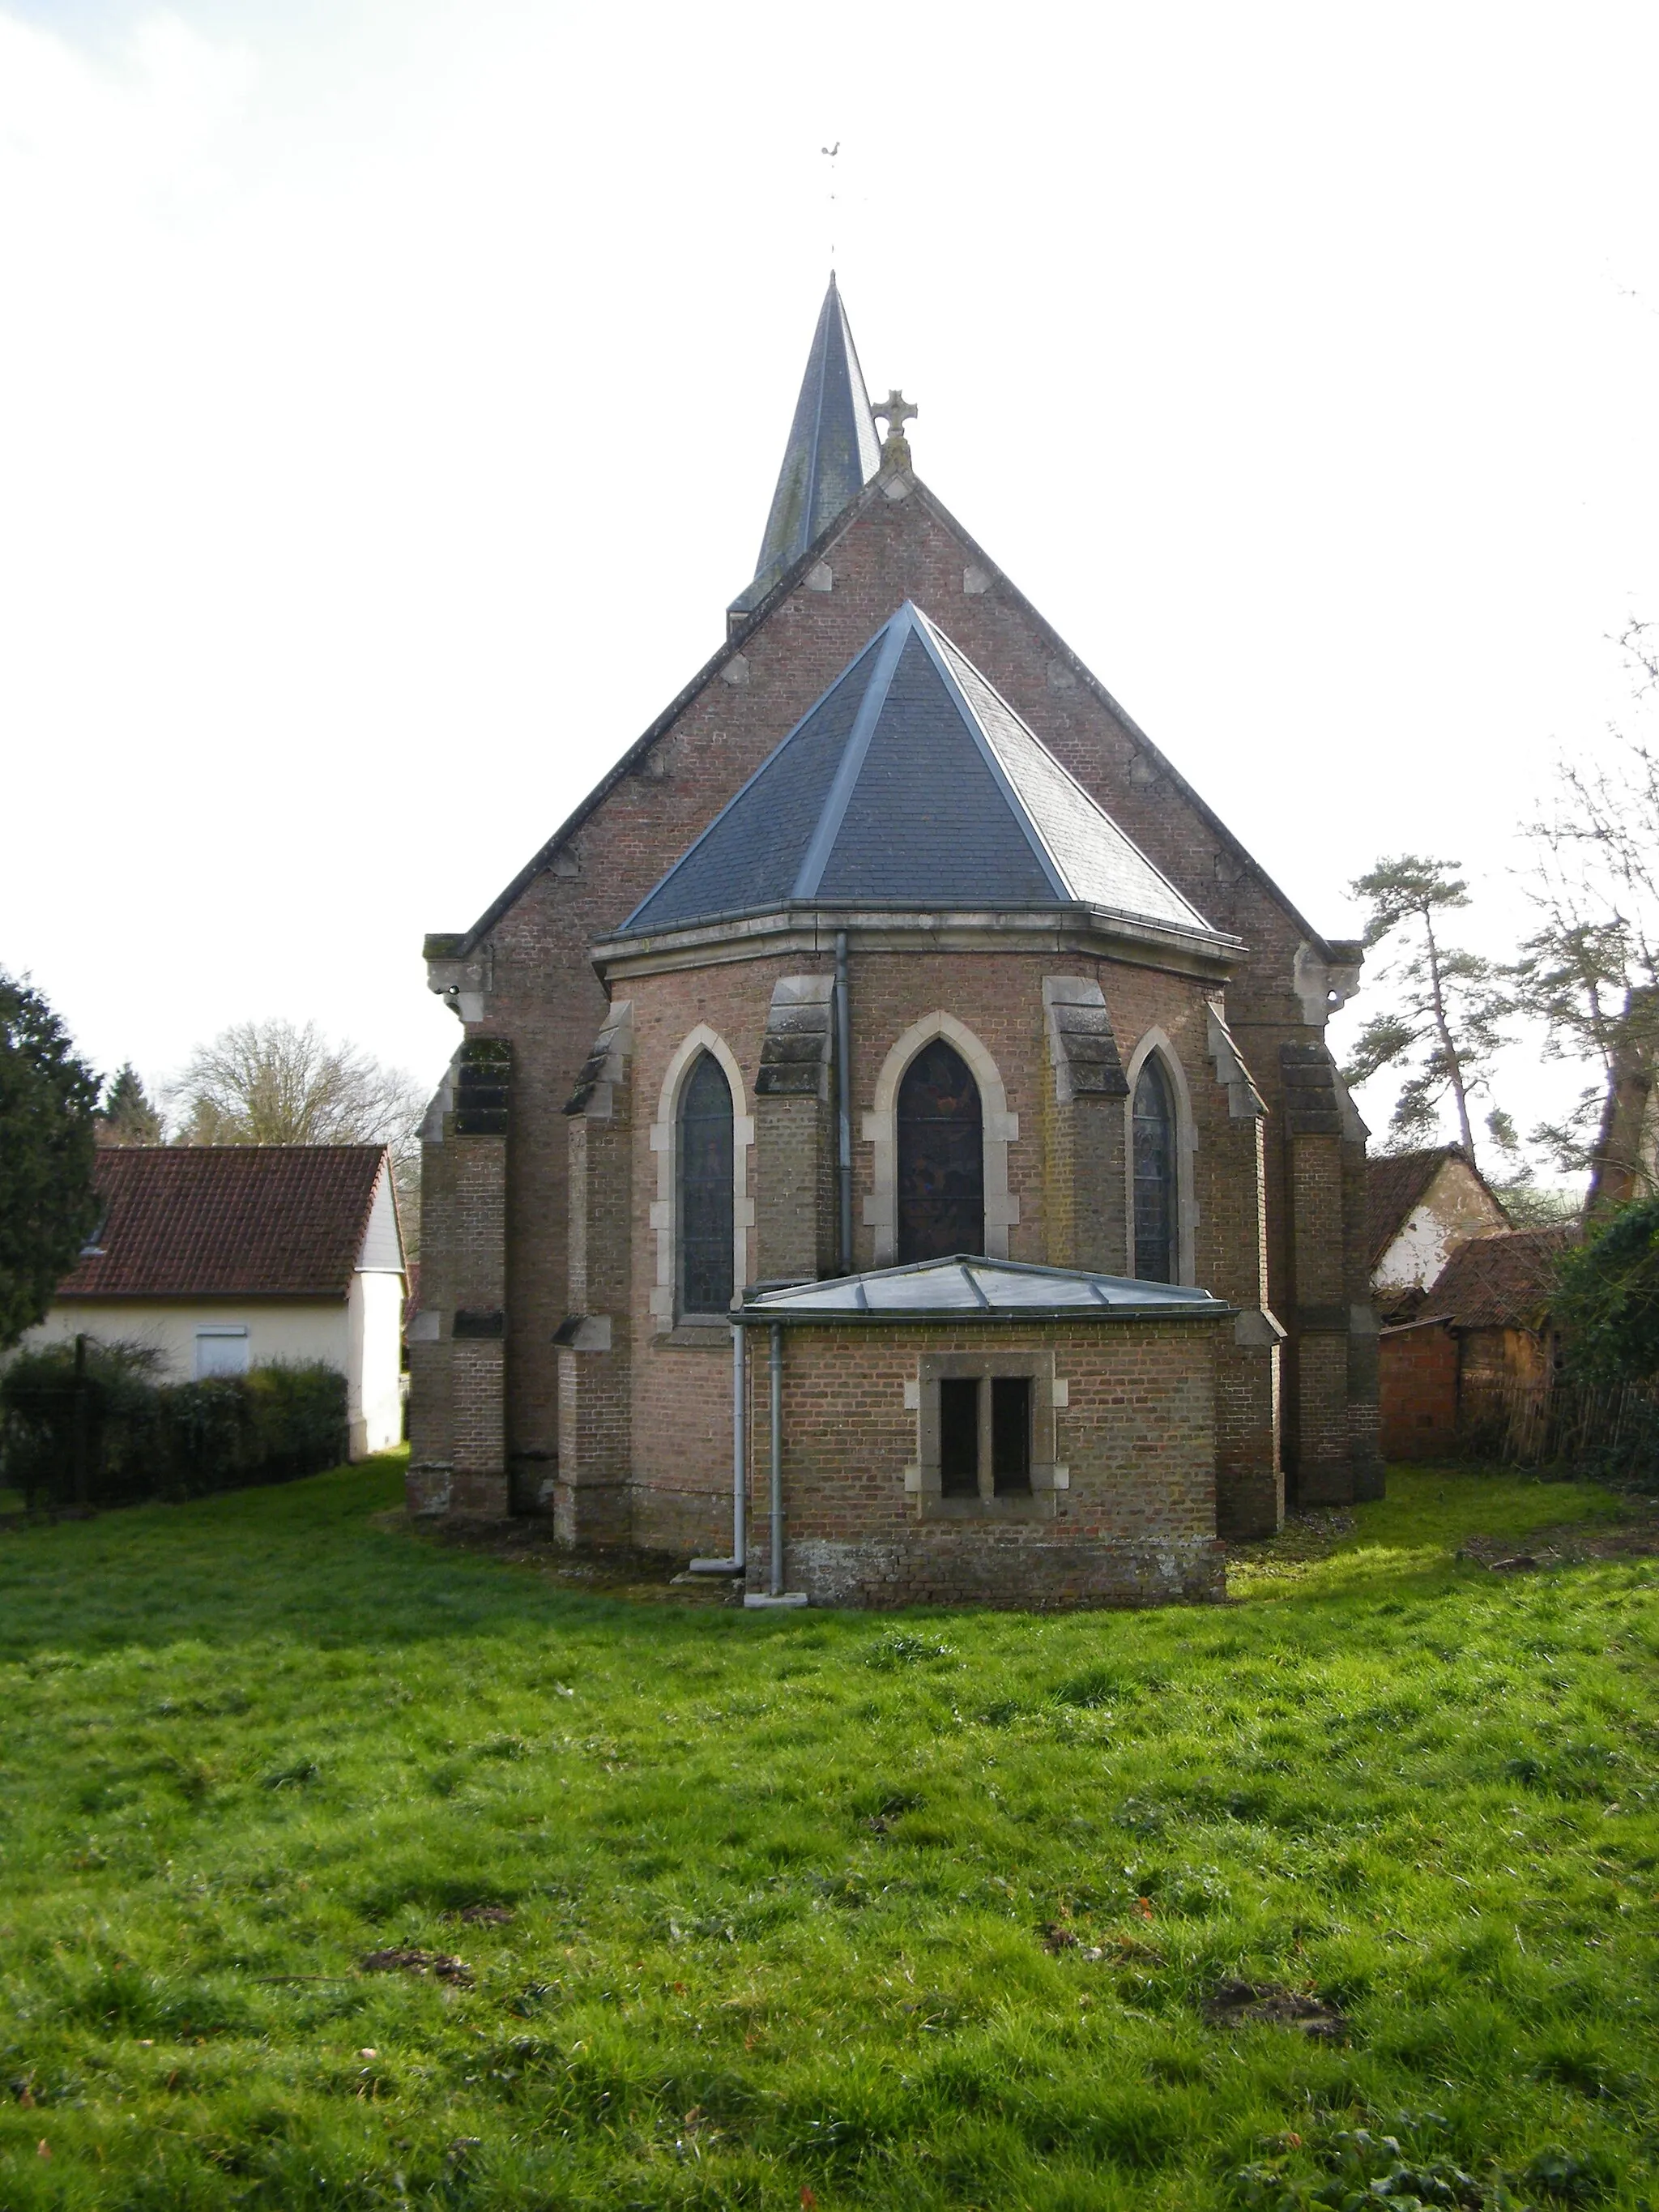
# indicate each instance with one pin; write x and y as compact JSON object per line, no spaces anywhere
{"x":898,"y":410}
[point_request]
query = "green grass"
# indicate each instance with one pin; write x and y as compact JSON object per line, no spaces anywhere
{"x":779,"y":1884}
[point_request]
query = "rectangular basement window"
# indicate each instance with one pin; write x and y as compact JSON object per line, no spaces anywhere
{"x":220,"y":1350}
{"x":958,"y":1437}
{"x":1011,"y":1435}
{"x":986,"y":1435}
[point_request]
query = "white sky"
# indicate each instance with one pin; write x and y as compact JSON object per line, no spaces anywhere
{"x":392,"y":391}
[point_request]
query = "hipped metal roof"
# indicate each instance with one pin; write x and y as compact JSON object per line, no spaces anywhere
{"x":965,"y":1288}
{"x":832,"y":453}
{"x":912,"y":782}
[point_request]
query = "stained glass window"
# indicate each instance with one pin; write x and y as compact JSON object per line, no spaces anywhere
{"x":1154,"y":1175}
{"x":706,"y":1211}
{"x":941,"y":1161}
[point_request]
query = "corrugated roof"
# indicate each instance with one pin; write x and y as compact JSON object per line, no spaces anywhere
{"x":229,"y":1220}
{"x":832,"y":453}
{"x":968,"y":1288}
{"x":1499,"y":1282}
{"x":911,"y":782}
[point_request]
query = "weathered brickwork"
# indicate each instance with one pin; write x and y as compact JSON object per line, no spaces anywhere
{"x":526,"y":977}
{"x":681,"y":1434}
{"x":596,"y":1357}
{"x":1417,"y":1393}
{"x":1136,"y":1524}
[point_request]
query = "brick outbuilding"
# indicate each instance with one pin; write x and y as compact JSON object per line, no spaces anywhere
{"x":894,"y":938}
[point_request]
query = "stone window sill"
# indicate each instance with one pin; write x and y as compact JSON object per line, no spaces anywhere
{"x":1022,"y":1505}
{"x":695,"y":1336}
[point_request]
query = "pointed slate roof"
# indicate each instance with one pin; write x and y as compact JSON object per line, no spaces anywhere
{"x":832,"y":453}
{"x":911,"y":783}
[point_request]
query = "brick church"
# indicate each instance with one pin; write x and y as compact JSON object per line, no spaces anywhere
{"x":894,"y":1152}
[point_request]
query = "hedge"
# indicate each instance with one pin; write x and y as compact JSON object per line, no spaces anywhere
{"x":108,"y":1432}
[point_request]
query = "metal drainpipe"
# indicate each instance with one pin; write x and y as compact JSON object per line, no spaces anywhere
{"x":844,"y":1102}
{"x":740,"y":1450}
{"x":777,"y":1459}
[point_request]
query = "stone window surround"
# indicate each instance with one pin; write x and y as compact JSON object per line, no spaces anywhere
{"x":1157,"y":1041}
{"x":923,"y":1481}
{"x":999,"y":1129}
{"x":665,"y":1143}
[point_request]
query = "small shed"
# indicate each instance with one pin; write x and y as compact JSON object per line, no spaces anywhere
{"x":976,"y":1432}
{"x":224,"y":1257}
{"x":1474,"y":1370}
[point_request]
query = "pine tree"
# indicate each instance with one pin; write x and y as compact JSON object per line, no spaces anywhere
{"x":126,"y":1117}
{"x":48,"y":1207}
{"x":1445,"y":1026}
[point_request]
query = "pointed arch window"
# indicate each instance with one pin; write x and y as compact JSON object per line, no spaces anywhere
{"x":941,"y":1157}
{"x":1155,"y":1175}
{"x":705,"y":1191}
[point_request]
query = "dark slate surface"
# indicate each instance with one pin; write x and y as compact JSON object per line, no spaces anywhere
{"x":750,"y":856}
{"x":927,"y":821}
{"x":945,"y":798}
{"x":832,"y":453}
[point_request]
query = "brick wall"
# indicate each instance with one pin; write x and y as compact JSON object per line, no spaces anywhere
{"x":1417,"y":1393}
{"x":1135,"y":1526}
{"x":680,"y":1414}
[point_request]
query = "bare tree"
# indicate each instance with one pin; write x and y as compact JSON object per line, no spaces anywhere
{"x":272,"y":1083}
{"x":1589,"y":972}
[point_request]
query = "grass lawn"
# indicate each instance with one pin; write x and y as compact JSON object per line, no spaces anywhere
{"x":823,"y":1910}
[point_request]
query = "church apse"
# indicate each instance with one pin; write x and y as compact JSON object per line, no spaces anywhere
{"x":893,"y":751}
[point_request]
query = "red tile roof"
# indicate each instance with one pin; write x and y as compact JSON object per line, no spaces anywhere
{"x":1499,"y":1282}
{"x":229,"y":1220}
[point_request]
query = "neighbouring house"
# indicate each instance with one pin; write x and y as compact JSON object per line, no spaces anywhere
{"x":894,"y":944}
{"x":1419,"y":1208}
{"x":1474,"y":1370}
{"x":224,"y":1257}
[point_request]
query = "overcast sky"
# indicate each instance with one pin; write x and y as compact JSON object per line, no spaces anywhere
{"x":392,"y":391}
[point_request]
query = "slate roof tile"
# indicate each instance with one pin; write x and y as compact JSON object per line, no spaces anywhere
{"x":832,"y":453}
{"x":911,"y":782}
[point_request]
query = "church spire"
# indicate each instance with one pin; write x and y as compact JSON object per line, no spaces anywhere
{"x":831,"y":455}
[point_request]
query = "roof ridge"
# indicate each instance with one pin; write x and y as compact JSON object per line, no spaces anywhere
{"x":932,"y":638}
{"x":893,"y":636}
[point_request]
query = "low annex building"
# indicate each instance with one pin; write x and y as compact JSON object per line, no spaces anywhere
{"x":894,"y":944}
{"x":225,"y":1257}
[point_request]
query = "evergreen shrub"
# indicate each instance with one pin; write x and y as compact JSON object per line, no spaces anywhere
{"x":115,"y":1434}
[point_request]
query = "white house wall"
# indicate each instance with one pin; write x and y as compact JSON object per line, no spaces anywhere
{"x":291,"y":1333}
{"x":1454,"y":1210}
{"x":374,"y":1401}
